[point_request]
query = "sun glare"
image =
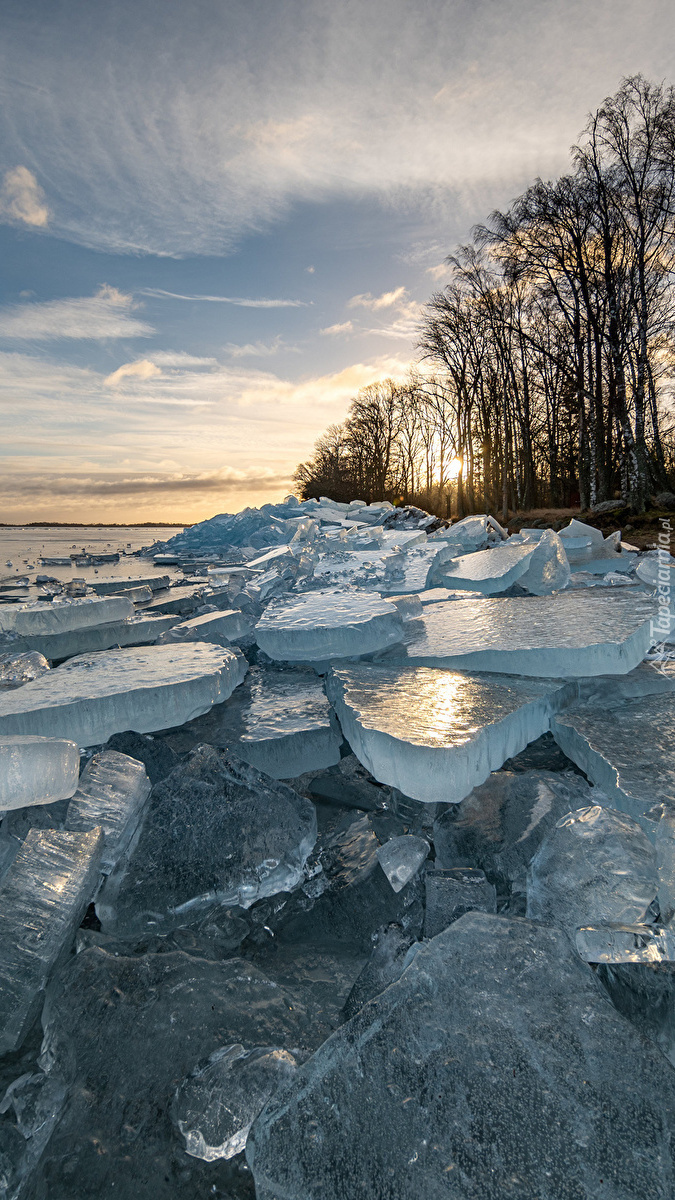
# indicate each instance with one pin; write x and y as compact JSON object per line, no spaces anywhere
{"x":454,"y":468}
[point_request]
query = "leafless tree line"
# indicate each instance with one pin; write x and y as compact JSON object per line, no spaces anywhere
{"x":546,"y":363}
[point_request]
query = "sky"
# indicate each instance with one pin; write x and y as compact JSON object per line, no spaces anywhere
{"x":220,"y":219}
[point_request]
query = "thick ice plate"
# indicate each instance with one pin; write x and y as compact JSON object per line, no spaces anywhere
{"x":434,"y":734}
{"x":327,"y":624}
{"x":570,"y":634}
{"x":93,"y":696}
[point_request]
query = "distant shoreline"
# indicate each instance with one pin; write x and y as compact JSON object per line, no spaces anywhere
{"x":94,"y":525}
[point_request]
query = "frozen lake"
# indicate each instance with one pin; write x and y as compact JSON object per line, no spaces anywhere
{"x":22,"y":547}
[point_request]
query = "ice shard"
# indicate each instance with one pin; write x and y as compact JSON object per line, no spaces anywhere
{"x":501,"y":824}
{"x":138,"y":630}
{"x":626,"y":943}
{"x":595,"y":867}
{"x":394,"y":948}
{"x":216,"y":1105}
{"x":111,"y":794}
{"x":217,"y":832}
{"x":435,"y":735}
{"x":43,"y":898}
{"x":278,"y":720}
{"x":487,"y":571}
{"x":643,"y":991}
{"x":494,"y":1066}
{"x":64,"y":616}
{"x":17,"y":669}
{"x":322,"y":625}
{"x":626,"y":749}
{"x":36,"y":770}
{"x":221,"y":628}
{"x":93,"y":696}
{"x":401,"y":858}
{"x":570,"y":634}
{"x":452,"y":892}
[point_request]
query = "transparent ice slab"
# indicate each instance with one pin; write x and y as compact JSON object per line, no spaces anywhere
{"x":450,"y":893}
{"x":566,"y":635}
{"x":61,"y":616}
{"x":625,"y":943}
{"x":328,"y":624}
{"x":216,"y":832}
{"x":216,"y":1105}
{"x":595,"y":867}
{"x":407,"y":1084}
{"x":401,"y":858}
{"x":394,"y":948}
{"x":501,"y":824}
{"x":43,"y":898}
{"x":279,"y":721}
{"x":17,"y":669}
{"x":36,"y":770}
{"x":111,"y":794}
{"x":95,"y":695}
{"x":435,"y":735}
{"x":487,"y":571}
{"x":626,"y":750}
{"x":138,"y":630}
{"x":221,"y":628}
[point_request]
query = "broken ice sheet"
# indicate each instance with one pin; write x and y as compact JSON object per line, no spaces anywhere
{"x":36,"y":770}
{"x":487,"y":571}
{"x":278,"y":720}
{"x":452,"y":892}
{"x":111,"y":793}
{"x":20,"y":668}
{"x":422,"y":1079}
{"x":95,"y":695}
{"x":401,"y":858}
{"x":433,"y":734}
{"x":221,"y":628}
{"x":321,"y":625}
{"x":43,"y":898}
{"x":571,"y":634}
{"x":216,"y":832}
{"x":595,"y":867}
{"x":626,"y":749}
{"x":625,"y":943}
{"x":63,"y":615}
{"x":394,"y":948}
{"x":216,"y":1105}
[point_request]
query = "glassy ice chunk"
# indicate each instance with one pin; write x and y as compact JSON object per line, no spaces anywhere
{"x":107,"y":587}
{"x":216,"y":1105}
{"x":595,"y":866}
{"x":664,"y":840}
{"x":415,"y":569}
{"x":569,"y":634}
{"x":453,"y":892}
{"x":95,"y":695}
{"x":279,"y":721}
{"x":111,"y":794}
{"x":43,"y":898}
{"x":221,"y":628}
{"x":644,"y":993}
{"x":485,"y":998}
{"x":216,"y":832}
{"x":656,"y":572}
{"x":547,"y":569}
{"x":125,"y":1031}
{"x":627,"y":750}
{"x":390,"y":956}
{"x":435,"y":735}
{"x":36,"y":770}
{"x":62,"y":616}
{"x":487,"y":571}
{"x":401,"y":858}
{"x":134,"y":631}
{"x":409,"y":607}
{"x":17,"y":669}
{"x":501,"y":824}
{"x":472,"y":532}
{"x":625,"y":943}
{"x":322,"y":625}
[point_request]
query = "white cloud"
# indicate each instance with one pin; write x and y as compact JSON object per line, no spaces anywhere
{"x":335,"y":330}
{"x":105,"y":315}
{"x":240,"y":301}
{"x":22,"y":199}
{"x":143,"y":369}
{"x":254,"y":349}
{"x":375,"y":303}
{"x":180,"y":136}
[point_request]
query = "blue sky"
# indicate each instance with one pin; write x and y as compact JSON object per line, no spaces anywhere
{"x":219,"y":219}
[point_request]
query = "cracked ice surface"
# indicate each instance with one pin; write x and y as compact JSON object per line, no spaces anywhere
{"x":436,"y":735}
{"x":95,"y":695}
{"x":111,"y":794}
{"x":217,"y":832}
{"x":279,"y":721}
{"x":43,"y":898}
{"x":36,"y":770}
{"x":569,"y":634}
{"x":326,"y":624}
{"x":626,"y":750}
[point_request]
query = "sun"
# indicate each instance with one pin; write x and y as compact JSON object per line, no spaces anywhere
{"x":455,"y":468}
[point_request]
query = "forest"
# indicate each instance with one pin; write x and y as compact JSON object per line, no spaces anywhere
{"x":546,"y":366}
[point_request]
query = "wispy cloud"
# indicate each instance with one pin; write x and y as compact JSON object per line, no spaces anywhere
{"x":376,"y":303}
{"x":105,"y":315}
{"x":240,"y":301}
{"x":336,"y":330}
{"x":143,"y":369}
{"x":22,"y":200}
{"x":254,"y":349}
{"x":106,"y":484}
